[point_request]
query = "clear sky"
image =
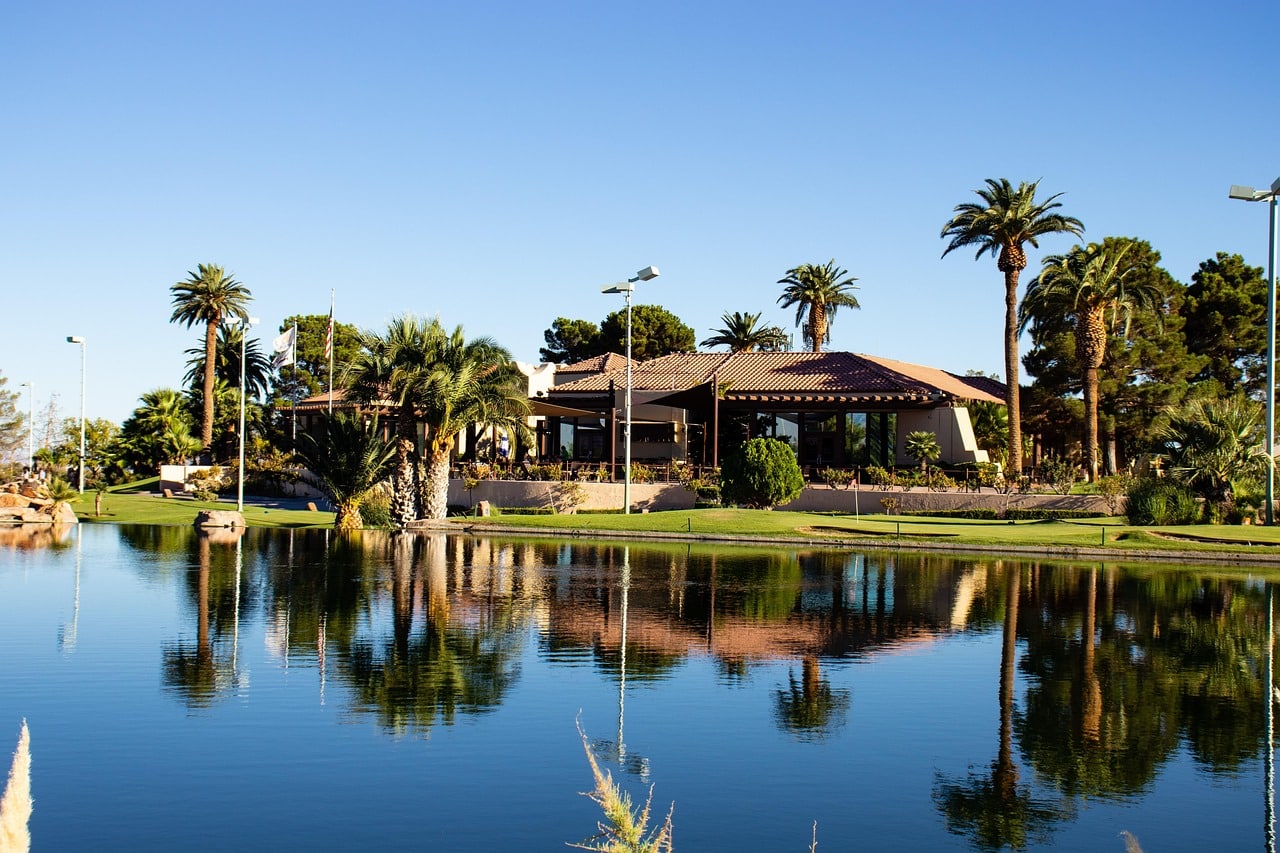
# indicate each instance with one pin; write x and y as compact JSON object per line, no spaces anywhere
{"x":496,"y":163}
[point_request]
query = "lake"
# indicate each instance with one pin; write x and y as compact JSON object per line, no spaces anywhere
{"x":310,"y":690}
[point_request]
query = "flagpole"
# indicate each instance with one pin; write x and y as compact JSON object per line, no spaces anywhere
{"x":294,"y":411}
{"x":329,"y":346}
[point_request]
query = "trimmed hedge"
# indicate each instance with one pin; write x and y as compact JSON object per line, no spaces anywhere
{"x":1042,"y":514}
{"x":981,"y":513}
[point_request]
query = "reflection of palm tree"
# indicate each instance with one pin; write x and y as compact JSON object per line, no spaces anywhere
{"x":810,"y":709}
{"x":993,"y":809}
{"x":196,"y":673}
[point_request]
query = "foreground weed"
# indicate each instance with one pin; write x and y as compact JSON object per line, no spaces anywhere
{"x":624,"y":827}
{"x":15,"y":807}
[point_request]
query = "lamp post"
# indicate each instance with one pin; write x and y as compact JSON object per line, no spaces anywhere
{"x":1250,"y":194}
{"x":76,"y":339}
{"x":626,"y":288}
{"x":245,"y":324}
{"x":31,"y":425}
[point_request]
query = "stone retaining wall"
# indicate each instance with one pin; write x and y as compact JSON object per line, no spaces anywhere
{"x":663,"y":496}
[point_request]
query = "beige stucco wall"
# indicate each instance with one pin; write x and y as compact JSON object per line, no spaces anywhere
{"x":953,"y":429}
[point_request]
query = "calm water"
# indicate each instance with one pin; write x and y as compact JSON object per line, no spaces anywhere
{"x":298,"y":690}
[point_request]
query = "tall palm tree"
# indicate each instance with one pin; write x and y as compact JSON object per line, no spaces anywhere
{"x":347,"y":463}
{"x":741,"y":333}
{"x":470,"y":382}
{"x":1005,"y":220}
{"x":817,"y":291}
{"x":209,"y":295}
{"x":1089,"y":284}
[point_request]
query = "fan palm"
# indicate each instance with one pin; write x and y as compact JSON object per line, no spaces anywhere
{"x":1005,"y":220}
{"x":347,"y":462}
{"x":209,"y":295}
{"x":391,"y":370}
{"x":817,"y":291}
{"x":1089,"y":284}
{"x":1213,"y":443}
{"x":741,"y":333}
{"x":922,"y":446}
{"x":470,"y":382}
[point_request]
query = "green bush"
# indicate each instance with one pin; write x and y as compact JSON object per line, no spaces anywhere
{"x":835,"y":477}
{"x":761,"y":473}
{"x":979,"y":513}
{"x":1161,"y":501}
{"x":375,"y":510}
{"x":1034,"y":514}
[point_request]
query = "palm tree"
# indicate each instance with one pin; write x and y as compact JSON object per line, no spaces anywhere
{"x":470,"y":382}
{"x":1089,"y":285}
{"x":922,"y":446}
{"x":391,"y":369}
{"x":159,"y":431}
{"x":347,"y":463}
{"x":741,"y":334}
{"x":257,"y":374}
{"x":209,"y":295}
{"x":1005,"y":220}
{"x":817,"y":291}
{"x":1211,"y":444}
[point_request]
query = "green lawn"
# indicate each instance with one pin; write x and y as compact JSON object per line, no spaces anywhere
{"x":137,"y":504}
{"x":1111,"y":532}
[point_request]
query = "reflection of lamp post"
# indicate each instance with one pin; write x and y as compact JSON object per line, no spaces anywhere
{"x":244,"y":324}
{"x":76,"y":339}
{"x":626,"y":288}
{"x":1269,"y":759}
{"x":31,"y":424}
{"x":1250,"y":194}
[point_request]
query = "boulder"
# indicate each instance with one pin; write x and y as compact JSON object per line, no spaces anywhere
{"x":219,"y":518}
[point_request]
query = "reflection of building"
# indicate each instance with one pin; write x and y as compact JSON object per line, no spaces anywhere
{"x":834,"y":408}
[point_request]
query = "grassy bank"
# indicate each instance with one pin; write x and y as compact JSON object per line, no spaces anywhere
{"x":1111,"y":533}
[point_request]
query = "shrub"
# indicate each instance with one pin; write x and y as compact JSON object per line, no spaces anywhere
{"x":937,"y":481}
{"x":979,"y":513}
{"x":880,"y":478}
{"x":1059,"y":473}
{"x":761,"y":473}
{"x":836,"y":477}
{"x":1161,"y":501}
{"x":1040,"y":513}
{"x":375,"y":510}
{"x":641,"y":473}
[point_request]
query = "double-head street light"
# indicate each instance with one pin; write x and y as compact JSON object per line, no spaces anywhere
{"x":626,"y":288}
{"x":76,"y":339}
{"x":245,"y":323}
{"x":1250,"y":194}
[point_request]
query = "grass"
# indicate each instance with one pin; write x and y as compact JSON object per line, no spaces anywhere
{"x":1111,"y":533}
{"x":137,"y":503}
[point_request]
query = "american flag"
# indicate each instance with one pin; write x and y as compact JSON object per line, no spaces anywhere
{"x":328,"y":337}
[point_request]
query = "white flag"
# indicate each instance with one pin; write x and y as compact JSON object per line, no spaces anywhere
{"x":284,"y":348}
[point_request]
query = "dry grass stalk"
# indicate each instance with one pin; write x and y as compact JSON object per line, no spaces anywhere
{"x":1130,"y":842}
{"x":623,"y":829}
{"x":15,"y":807}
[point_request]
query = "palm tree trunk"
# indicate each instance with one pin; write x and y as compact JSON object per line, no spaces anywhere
{"x":210,"y":354}
{"x":348,"y":516}
{"x":437,"y":492}
{"x":1012,"y":396}
{"x":818,"y":325}
{"x":405,"y":505}
{"x":1091,"y":423}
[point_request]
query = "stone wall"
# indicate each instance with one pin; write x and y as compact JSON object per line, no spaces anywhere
{"x":662,"y":496}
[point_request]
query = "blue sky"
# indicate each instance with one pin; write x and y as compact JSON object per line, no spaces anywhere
{"x":497,"y":163}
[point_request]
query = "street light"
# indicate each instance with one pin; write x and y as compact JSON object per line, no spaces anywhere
{"x":1250,"y":194}
{"x":76,"y":339}
{"x":31,"y":424}
{"x":245,"y":324}
{"x":626,"y":288}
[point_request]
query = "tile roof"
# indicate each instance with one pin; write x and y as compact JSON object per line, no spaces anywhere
{"x":596,"y":364}
{"x":787,"y":375}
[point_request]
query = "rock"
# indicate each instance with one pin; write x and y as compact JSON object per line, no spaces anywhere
{"x":64,"y":514}
{"x":13,"y":499}
{"x":483,"y":509}
{"x":219,"y":518}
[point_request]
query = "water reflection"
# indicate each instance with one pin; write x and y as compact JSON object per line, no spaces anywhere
{"x":1105,"y":674}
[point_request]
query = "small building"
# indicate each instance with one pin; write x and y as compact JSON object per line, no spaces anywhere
{"x":836,"y":409}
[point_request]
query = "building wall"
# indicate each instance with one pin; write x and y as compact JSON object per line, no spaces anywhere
{"x":953,"y":429}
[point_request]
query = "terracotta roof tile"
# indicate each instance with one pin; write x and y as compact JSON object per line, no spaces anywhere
{"x":789,"y":375}
{"x":595,"y":364}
